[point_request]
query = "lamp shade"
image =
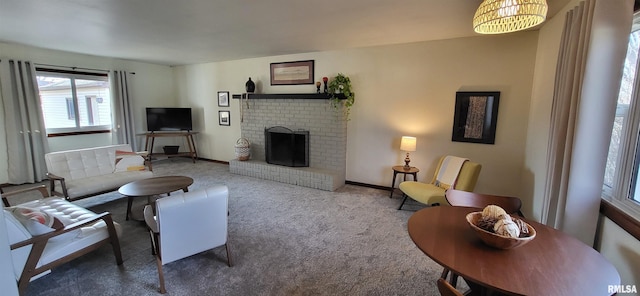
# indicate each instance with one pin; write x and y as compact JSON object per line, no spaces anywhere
{"x":408,"y":143}
{"x":504,"y":16}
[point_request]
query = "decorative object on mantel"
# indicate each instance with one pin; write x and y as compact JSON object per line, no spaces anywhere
{"x":407,"y":144}
{"x":325,"y":80}
{"x":338,"y":87}
{"x":505,"y":16}
{"x":243,"y":149}
{"x":475,"y":117}
{"x":250,"y":87}
{"x":318,"y":86}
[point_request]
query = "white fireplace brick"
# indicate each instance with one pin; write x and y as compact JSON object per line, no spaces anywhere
{"x":327,"y":145}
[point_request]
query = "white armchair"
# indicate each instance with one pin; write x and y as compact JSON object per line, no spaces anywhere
{"x":188,"y":223}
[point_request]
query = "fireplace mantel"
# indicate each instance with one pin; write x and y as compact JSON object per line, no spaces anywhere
{"x":304,"y":96}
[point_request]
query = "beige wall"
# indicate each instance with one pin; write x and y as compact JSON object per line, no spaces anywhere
{"x":400,"y":90}
{"x":151,"y":86}
{"x":621,"y":249}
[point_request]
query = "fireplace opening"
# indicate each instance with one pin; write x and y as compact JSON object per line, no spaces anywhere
{"x":286,"y":147}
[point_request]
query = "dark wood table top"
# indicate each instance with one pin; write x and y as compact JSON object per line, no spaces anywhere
{"x":155,"y":186}
{"x":553,"y":263}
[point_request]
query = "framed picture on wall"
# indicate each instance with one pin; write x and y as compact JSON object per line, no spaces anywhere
{"x":289,"y":73}
{"x":224,"y":118}
{"x":475,"y":117}
{"x":223,"y":99}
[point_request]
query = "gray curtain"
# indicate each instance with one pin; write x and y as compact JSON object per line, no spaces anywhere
{"x":587,"y":80}
{"x":23,"y":121}
{"x":123,"y":123}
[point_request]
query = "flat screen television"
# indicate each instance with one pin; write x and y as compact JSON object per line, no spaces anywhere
{"x":169,"y":119}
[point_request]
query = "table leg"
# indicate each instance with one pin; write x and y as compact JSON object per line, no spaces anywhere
{"x":129,"y":203}
{"x":393,"y":184}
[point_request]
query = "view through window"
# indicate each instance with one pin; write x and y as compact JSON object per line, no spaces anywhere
{"x":74,"y":102}
{"x":621,"y":174}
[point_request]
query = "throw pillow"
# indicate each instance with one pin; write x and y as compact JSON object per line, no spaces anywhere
{"x":35,"y":221}
{"x":128,"y":161}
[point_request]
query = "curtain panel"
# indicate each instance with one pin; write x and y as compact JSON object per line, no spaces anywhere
{"x":124,"y":131}
{"x":23,"y":121}
{"x":588,"y":74}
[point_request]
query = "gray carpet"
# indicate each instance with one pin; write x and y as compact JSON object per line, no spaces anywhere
{"x":285,"y":240}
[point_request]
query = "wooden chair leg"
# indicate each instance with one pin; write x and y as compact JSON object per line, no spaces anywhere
{"x":160,"y":274}
{"x":405,"y":199}
{"x":226,"y":246}
{"x":113,"y":237}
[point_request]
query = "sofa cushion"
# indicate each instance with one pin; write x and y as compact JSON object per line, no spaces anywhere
{"x":91,"y":185}
{"x":82,"y":163}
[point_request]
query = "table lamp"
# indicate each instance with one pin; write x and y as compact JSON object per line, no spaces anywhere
{"x":407,"y":144}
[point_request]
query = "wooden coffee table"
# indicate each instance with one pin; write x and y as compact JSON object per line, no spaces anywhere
{"x":152,"y":187}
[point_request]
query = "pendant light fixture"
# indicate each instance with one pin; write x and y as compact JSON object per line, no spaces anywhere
{"x":505,"y":16}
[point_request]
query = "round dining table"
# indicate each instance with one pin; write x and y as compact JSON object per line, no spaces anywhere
{"x":553,"y":263}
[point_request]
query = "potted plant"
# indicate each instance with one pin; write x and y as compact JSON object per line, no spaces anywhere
{"x":342,"y":95}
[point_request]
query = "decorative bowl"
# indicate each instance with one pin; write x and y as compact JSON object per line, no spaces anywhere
{"x":495,"y":240}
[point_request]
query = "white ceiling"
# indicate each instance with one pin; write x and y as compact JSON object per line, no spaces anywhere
{"x":198,"y":31}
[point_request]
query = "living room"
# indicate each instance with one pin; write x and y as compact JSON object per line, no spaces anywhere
{"x":401,"y":89}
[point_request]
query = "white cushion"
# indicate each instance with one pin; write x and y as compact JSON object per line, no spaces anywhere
{"x":91,"y":185}
{"x":75,"y":240}
{"x":82,"y":163}
{"x":17,"y":233}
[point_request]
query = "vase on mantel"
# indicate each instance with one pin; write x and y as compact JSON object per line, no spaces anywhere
{"x":250,"y":86}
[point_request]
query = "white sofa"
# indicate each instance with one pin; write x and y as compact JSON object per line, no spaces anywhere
{"x":75,"y":174}
{"x":39,"y":245}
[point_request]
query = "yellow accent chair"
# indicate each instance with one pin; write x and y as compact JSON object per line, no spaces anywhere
{"x":433,"y":193}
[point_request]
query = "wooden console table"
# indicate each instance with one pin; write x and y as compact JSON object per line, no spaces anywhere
{"x":151,"y":136}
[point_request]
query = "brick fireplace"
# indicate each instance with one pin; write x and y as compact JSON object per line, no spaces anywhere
{"x":311,"y":112}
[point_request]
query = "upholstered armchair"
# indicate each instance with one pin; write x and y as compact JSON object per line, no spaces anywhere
{"x":186,"y":224}
{"x":451,"y":172}
{"x":48,"y":232}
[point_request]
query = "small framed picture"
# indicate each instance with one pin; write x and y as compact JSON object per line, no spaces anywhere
{"x":223,"y":99}
{"x":224,"y":118}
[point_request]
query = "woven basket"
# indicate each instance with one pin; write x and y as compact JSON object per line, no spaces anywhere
{"x":243,"y":149}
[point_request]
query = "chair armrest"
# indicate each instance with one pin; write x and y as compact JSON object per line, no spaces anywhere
{"x":106,"y":216}
{"x":147,"y":159}
{"x":150,"y":218}
{"x":52,"y":185}
{"x":42,"y":188}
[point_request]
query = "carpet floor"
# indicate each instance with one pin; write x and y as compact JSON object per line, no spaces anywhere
{"x":284,"y":240}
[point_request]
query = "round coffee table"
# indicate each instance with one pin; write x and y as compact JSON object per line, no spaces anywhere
{"x":153,"y":187}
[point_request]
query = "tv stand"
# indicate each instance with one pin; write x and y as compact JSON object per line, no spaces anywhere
{"x":151,"y":136}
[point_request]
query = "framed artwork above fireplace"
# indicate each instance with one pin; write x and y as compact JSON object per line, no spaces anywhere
{"x":290,"y":73}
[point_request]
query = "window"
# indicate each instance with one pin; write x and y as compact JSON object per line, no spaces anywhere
{"x":74,"y":102}
{"x":623,"y":162}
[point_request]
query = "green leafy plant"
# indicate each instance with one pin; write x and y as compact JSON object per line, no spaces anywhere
{"x":342,"y":96}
